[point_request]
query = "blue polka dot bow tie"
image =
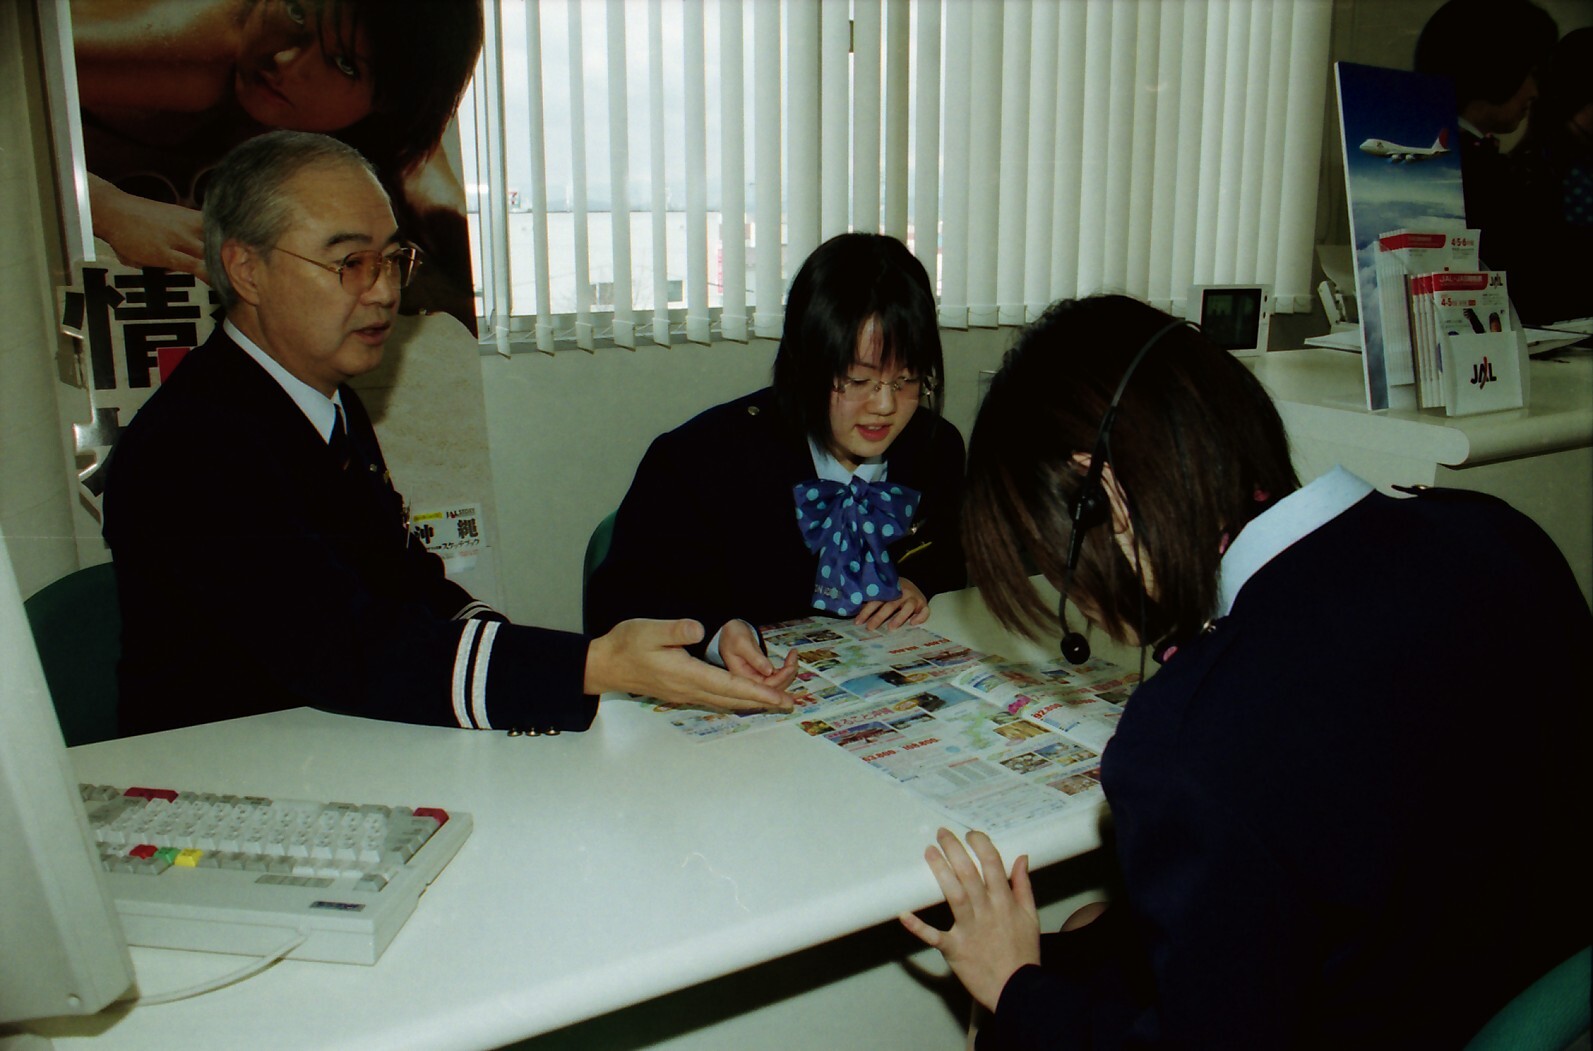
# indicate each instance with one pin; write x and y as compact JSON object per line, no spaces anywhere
{"x":849,"y":526}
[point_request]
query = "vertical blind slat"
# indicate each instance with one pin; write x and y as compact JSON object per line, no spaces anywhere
{"x":1210,"y":168}
{"x":984,"y":144}
{"x":1252,"y":155}
{"x":732,"y":178}
{"x":834,"y":137}
{"x":1170,"y":19}
{"x":1066,"y":234}
{"x":656,"y":154}
{"x":1027,"y":149}
{"x":697,"y":320}
{"x":1230,"y":174}
{"x":954,"y":206}
{"x":578,"y":188}
{"x":1119,"y":143}
{"x":1141,"y":172}
{"x":1092,"y":145}
{"x":867,"y":16}
{"x":926,"y":139}
{"x":1308,"y":65}
{"x":489,"y":112}
{"x":543,"y":308}
{"x":1011,"y":222}
{"x":769,"y":291}
{"x":619,"y":176}
{"x":804,"y":187}
{"x":1040,"y":203}
{"x":1274,"y":103}
{"x":1191,"y":141}
{"x":898,"y":43}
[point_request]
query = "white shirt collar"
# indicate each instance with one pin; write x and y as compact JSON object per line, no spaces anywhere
{"x":320,"y":410}
{"x":830,"y":470}
{"x":1292,"y":518}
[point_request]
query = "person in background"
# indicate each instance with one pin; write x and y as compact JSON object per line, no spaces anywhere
{"x":1349,"y":809}
{"x":834,"y":491}
{"x":1547,"y":239}
{"x":263,"y":558}
{"x":1490,"y":49}
{"x":167,"y":87}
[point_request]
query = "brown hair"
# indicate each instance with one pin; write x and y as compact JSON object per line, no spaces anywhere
{"x":423,"y":53}
{"x":1195,"y":441}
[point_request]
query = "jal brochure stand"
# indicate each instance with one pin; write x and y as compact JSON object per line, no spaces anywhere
{"x":1400,"y":173}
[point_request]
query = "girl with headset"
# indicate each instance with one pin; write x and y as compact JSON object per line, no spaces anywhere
{"x":1314,"y":847}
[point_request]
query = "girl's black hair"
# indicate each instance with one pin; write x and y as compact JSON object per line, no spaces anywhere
{"x":848,"y":280}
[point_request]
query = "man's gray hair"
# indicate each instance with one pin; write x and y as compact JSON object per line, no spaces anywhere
{"x":245,"y":202}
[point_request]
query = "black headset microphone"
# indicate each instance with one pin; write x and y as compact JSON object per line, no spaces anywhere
{"x":1090,"y":505}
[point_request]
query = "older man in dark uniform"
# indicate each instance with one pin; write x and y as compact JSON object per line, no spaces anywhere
{"x":261,"y":552}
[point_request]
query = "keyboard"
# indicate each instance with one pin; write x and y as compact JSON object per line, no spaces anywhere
{"x":242,"y":874}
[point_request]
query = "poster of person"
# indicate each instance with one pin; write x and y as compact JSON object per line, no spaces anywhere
{"x":167,"y":87}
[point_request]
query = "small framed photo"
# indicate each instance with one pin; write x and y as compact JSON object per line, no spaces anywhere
{"x":1235,"y":317}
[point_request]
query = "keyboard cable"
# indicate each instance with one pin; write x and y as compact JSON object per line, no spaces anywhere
{"x":249,"y":970}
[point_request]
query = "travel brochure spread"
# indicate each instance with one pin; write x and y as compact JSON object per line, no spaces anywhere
{"x":994,"y":743}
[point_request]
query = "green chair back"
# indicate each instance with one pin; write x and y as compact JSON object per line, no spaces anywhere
{"x":1549,"y":1015}
{"x":77,"y":627}
{"x":596,"y":551}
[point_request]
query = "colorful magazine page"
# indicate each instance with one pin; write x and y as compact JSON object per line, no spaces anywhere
{"x":1463,"y":303}
{"x":1403,"y":258}
{"x":992,"y":743}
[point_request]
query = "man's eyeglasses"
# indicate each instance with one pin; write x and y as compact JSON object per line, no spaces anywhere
{"x":359,"y":271}
{"x":908,"y":387}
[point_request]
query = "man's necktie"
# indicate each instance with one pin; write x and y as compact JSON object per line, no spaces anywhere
{"x":338,"y":444}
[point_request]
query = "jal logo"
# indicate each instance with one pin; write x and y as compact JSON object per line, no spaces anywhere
{"x":1482,"y":373}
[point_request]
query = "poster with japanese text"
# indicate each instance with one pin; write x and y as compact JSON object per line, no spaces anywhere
{"x":166,"y":87}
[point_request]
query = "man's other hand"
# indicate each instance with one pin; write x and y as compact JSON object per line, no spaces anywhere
{"x":649,"y":657}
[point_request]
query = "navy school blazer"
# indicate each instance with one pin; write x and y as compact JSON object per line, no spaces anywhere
{"x":708,"y":529}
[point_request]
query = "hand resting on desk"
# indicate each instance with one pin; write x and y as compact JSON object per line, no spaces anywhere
{"x":996,"y":926}
{"x":910,"y":607}
{"x":649,"y":657}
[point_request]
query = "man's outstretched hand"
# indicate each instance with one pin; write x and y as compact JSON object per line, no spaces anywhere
{"x":649,"y":657}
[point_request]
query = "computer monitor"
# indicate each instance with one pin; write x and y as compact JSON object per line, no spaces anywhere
{"x":61,"y":945}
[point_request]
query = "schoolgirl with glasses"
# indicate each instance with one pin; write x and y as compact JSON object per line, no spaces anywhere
{"x":833,"y":491}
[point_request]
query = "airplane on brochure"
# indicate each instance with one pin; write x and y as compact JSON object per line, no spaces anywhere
{"x":1398,"y":154}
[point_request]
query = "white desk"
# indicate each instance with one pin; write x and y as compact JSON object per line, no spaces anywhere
{"x":1539,"y":458}
{"x":605,"y":868}
{"x":1320,"y":392}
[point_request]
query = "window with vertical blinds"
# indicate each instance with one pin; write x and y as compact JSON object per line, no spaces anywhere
{"x":655,"y":170}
